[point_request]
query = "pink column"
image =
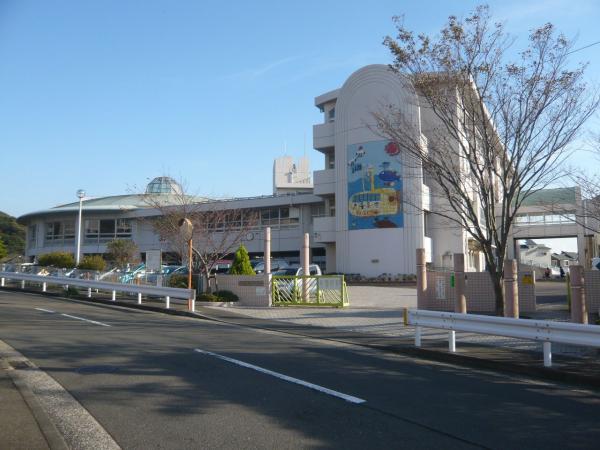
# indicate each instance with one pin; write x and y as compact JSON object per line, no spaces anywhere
{"x":267,"y":260}
{"x":460,"y":305}
{"x":305,"y":266}
{"x":421,"y":279}
{"x":511,"y":289}
{"x":578,"y":307}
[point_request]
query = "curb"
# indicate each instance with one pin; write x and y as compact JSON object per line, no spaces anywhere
{"x":539,"y":372}
{"x":54,"y":439}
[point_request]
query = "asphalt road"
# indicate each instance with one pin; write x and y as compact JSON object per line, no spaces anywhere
{"x":143,"y":381}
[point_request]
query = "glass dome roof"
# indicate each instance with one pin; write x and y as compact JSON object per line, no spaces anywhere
{"x":163,"y":185}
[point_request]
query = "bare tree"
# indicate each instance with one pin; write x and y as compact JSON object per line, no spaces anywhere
{"x":218,"y":228}
{"x":496,"y":130}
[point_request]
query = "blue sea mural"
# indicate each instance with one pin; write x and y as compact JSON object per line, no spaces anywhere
{"x":374,"y":186}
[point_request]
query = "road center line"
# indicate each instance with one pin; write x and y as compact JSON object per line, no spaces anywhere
{"x":86,"y":320}
{"x":45,"y":310}
{"x":316,"y":387}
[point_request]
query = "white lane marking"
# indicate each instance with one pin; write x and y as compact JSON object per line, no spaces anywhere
{"x":86,"y":320}
{"x":316,"y":387}
{"x":45,"y":310}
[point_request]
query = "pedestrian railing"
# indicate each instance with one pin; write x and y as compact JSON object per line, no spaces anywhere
{"x":544,"y":331}
{"x":113,"y":288}
{"x":309,"y":290}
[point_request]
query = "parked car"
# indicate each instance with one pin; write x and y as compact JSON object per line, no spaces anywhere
{"x":313,"y":269}
{"x":276,"y":264}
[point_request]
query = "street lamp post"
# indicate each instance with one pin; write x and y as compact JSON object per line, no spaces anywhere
{"x":80,"y":194}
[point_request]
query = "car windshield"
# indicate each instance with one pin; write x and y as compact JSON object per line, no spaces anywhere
{"x":290,"y":271}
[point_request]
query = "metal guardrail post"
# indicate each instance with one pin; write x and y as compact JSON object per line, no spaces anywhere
{"x":139,"y":299}
{"x":22,"y":284}
{"x":417,"y":336}
{"x":547,"y":354}
{"x":167,"y":302}
{"x":44,"y":286}
{"x":114,"y":296}
{"x":89,"y":293}
{"x":452,"y":341}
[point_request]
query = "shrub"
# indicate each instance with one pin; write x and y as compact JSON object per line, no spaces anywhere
{"x":181,"y":281}
{"x":241,"y":263}
{"x":178,"y":281}
{"x":208,"y":298}
{"x":72,"y":292}
{"x":227,"y":296}
{"x":92,"y":262}
{"x":121,"y":251}
{"x":60,"y":260}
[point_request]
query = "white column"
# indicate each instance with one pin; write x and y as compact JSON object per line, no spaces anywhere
{"x":140,"y":298}
{"x":78,"y":250}
{"x":547,"y":354}
{"x":114,"y":296}
{"x":167,"y":302}
{"x":305,"y":266}
{"x":452,"y":341}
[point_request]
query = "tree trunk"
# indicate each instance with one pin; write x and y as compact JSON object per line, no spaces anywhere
{"x":498,"y":284}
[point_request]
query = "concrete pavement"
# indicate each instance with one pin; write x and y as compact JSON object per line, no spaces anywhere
{"x":141,"y":379}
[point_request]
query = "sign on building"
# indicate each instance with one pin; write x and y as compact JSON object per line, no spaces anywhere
{"x":153,"y":260}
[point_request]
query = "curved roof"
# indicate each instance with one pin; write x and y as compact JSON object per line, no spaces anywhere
{"x":112,"y":203}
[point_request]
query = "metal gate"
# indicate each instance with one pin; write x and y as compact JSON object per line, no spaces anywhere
{"x":310,"y":290}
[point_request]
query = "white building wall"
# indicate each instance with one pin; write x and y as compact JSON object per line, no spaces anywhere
{"x":373,"y":251}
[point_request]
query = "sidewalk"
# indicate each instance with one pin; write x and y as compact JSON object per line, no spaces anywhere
{"x":384,"y":329}
{"x":19,"y":429}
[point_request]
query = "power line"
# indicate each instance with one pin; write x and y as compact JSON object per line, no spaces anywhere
{"x":583,"y":48}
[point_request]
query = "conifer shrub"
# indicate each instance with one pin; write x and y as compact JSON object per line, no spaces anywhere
{"x":241,"y":263}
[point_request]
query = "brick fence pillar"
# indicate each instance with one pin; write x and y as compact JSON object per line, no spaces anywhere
{"x":578,"y":307}
{"x":421,"y":278}
{"x":460,"y":305}
{"x":511,"y":289}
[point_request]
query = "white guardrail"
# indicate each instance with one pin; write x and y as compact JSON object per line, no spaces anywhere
{"x":166,"y":292}
{"x":536,"y":330}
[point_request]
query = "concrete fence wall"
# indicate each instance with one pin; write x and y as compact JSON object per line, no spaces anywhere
{"x":479,"y":291}
{"x":592,"y":290}
{"x":250,"y":289}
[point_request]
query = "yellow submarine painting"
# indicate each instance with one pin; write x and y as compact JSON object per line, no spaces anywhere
{"x":374,"y":186}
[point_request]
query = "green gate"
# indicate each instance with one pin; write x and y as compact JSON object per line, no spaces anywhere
{"x":310,"y":290}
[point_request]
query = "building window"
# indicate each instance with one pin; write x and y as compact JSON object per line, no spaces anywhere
{"x":58,"y":232}
{"x":331,"y":115}
{"x":104,"y":230}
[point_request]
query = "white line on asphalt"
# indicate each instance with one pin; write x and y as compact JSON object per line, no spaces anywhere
{"x":45,"y":310}
{"x":86,"y":320}
{"x":316,"y":387}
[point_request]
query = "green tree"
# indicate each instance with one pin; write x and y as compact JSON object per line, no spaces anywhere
{"x":241,"y":263}
{"x":13,"y":234}
{"x":121,"y":251}
{"x":92,"y":262}
{"x":62,"y":260}
{"x":3,"y":251}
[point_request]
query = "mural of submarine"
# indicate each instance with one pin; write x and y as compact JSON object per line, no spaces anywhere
{"x":376,"y":201}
